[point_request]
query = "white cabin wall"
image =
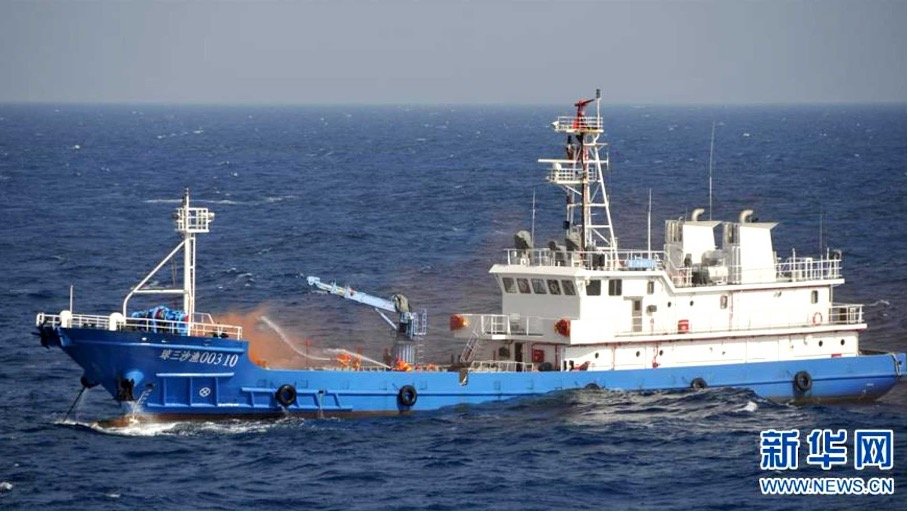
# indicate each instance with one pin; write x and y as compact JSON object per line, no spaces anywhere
{"x":779,"y":308}
{"x":645,"y":355}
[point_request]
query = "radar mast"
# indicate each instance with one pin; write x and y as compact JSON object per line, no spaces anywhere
{"x":588,"y":221}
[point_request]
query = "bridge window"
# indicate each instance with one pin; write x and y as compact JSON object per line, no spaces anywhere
{"x":508,"y":284}
{"x":723,"y":302}
{"x":554,"y":289}
{"x":538,"y":286}
{"x":650,"y":287}
{"x":568,"y":287}
{"x":614,"y":287}
{"x":594,"y":287}
{"x":814,"y":296}
{"x":523,"y":285}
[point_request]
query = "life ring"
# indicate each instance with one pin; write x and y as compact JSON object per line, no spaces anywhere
{"x":407,"y":396}
{"x":698,"y":383}
{"x":803,"y":381}
{"x":817,"y":318}
{"x":285,"y":395}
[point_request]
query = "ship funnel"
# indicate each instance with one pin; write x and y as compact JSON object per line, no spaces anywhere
{"x":745,"y":216}
{"x":695,"y":215}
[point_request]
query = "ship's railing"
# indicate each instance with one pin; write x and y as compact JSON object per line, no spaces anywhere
{"x":592,"y":260}
{"x":566,"y":175}
{"x":846,"y":314}
{"x":143,"y":324}
{"x":574,"y":123}
{"x":838,"y":314}
{"x":79,"y":321}
{"x":509,"y":325}
{"x":792,"y":269}
{"x":808,"y":269}
{"x":501,"y":366}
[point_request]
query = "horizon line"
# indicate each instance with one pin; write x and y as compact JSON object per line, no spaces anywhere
{"x":632,"y":104}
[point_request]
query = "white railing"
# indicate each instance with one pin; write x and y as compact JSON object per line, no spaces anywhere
{"x":809,"y":269}
{"x":792,"y":269}
{"x":574,"y":123}
{"x":510,"y":325}
{"x":846,"y":314}
{"x":569,"y":175}
{"x":193,"y":220}
{"x":593,"y":260}
{"x":838,"y":314}
{"x":208,"y":329}
{"x":501,"y":366}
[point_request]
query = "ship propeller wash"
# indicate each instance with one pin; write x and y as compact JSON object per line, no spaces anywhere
{"x":715,"y":308}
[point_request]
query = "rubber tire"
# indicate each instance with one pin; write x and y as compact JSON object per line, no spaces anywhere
{"x":285,"y":395}
{"x":698,"y":383}
{"x":803,"y":381}
{"x":407,"y":396}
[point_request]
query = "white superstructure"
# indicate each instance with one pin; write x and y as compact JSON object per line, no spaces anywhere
{"x":717,"y":293}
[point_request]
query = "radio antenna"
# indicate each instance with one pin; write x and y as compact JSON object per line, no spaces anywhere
{"x":649,"y":226}
{"x":712,"y":140}
{"x":533,"y":219}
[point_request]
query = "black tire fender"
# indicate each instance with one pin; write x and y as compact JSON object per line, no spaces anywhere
{"x":407,"y":396}
{"x":803,"y":381}
{"x":285,"y":395}
{"x":698,"y":383}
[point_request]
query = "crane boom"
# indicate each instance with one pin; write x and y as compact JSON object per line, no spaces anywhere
{"x":410,"y":325}
{"x":351,"y":294}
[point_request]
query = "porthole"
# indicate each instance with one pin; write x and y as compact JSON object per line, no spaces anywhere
{"x":842,"y":343}
{"x":669,"y":304}
{"x":691,"y":303}
{"x":638,"y":353}
{"x":821,"y":343}
{"x":597,"y":355}
{"x":660,"y":352}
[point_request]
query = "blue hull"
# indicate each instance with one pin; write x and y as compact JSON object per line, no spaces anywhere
{"x":185,"y":376}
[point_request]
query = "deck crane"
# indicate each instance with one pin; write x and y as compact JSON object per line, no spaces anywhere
{"x":407,"y":331}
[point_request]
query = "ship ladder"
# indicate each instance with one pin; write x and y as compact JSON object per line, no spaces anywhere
{"x":469,"y":351}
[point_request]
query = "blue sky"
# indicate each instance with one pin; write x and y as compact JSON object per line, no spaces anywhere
{"x":769,"y":51}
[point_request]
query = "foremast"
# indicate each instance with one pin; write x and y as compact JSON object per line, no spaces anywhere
{"x":588,"y":221}
{"x":189,"y":222}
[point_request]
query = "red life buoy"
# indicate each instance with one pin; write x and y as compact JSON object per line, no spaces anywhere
{"x":817,"y":318}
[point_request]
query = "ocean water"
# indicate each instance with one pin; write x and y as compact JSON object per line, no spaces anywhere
{"x":419,"y":200}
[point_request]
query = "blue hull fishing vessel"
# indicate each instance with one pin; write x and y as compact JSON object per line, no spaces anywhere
{"x":577,"y":313}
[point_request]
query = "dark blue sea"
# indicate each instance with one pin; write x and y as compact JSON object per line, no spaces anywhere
{"x":419,"y":200}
